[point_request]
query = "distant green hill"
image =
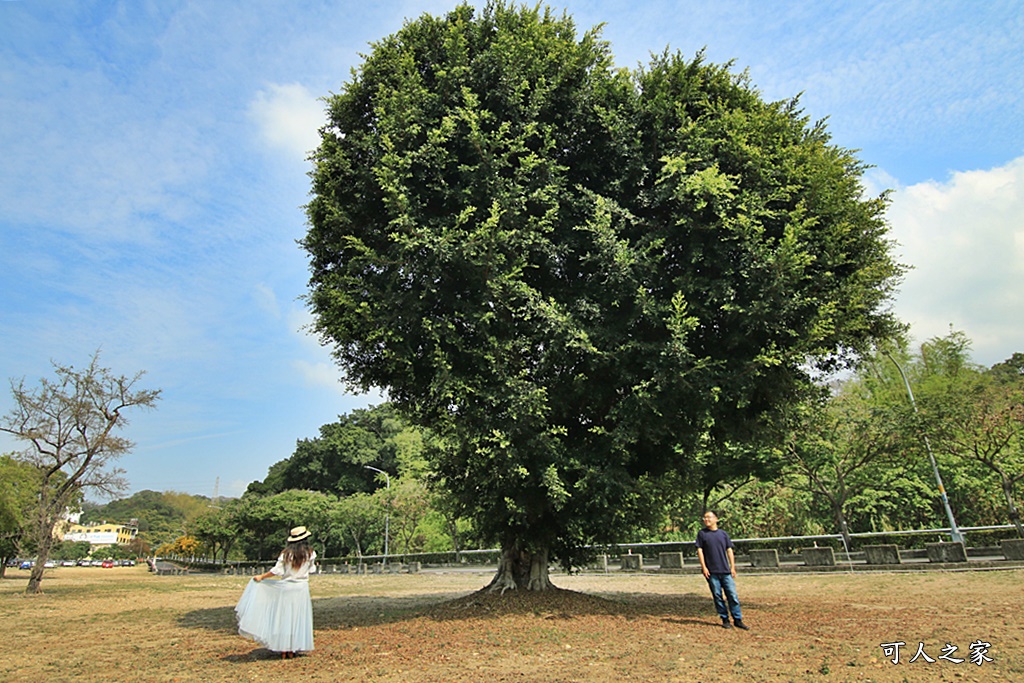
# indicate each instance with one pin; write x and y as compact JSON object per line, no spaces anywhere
{"x":162,"y":516}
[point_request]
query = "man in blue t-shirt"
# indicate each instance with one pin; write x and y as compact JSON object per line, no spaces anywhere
{"x":718,"y":562}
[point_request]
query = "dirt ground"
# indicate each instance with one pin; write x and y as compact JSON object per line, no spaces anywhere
{"x":124,"y":624}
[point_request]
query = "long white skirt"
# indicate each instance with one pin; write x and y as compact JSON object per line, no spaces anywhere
{"x":277,"y":614}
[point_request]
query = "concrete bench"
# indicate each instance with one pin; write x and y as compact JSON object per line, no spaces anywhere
{"x":764,"y":558}
{"x":946,"y":552}
{"x":631,"y":562}
{"x":1013,"y":549}
{"x":888,"y":553}
{"x":818,"y":557}
{"x":670,"y":560}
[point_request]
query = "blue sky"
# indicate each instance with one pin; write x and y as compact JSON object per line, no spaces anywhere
{"x":153,"y":172}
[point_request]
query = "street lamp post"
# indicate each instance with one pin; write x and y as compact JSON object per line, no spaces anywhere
{"x":954,"y":531}
{"x":387,"y":512}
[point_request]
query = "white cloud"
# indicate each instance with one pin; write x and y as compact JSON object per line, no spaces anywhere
{"x":266,"y":299}
{"x":316,"y":366}
{"x":327,"y":375}
{"x":289,"y":118}
{"x":318,"y":374}
{"x":965,"y":240}
{"x":876,"y":181}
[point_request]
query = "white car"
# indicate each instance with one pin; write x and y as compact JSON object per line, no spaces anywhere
{"x":67,"y":563}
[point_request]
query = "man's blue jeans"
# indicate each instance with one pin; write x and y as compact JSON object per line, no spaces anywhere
{"x":724,"y":583}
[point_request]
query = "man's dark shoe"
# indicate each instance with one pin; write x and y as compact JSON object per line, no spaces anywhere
{"x":726,"y":624}
{"x":739,"y":624}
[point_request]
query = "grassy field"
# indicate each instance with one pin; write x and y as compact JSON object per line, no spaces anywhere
{"x":124,"y":624}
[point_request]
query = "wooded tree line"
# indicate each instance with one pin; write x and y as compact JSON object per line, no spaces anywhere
{"x":331,"y":484}
{"x":857,"y":460}
{"x":855,"y":457}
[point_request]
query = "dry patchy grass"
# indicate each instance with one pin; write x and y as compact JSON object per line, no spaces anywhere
{"x":127,"y":625}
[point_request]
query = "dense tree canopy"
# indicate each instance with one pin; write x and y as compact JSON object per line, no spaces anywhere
{"x":18,"y":490}
{"x":578,"y":276}
{"x":335,"y":461}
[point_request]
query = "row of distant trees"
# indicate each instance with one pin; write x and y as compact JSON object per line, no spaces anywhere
{"x":363,"y":483}
{"x":79,"y":550}
{"x":854,"y":460}
{"x":857,"y":459}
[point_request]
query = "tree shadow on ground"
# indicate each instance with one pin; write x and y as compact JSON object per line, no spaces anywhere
{"x":256,"y":655}
{"x":331,"y":613}
{"x":345,"y":612}
{"x":567,"y":604}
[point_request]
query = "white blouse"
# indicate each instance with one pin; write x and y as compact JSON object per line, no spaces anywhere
{"x":289,"y":573}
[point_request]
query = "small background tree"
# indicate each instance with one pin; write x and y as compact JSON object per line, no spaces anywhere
{"x":72,"y":426}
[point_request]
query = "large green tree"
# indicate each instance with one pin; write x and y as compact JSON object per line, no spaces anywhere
{"x":217,"y":529}
{"x":335,"y":461}
{"x":576,"y":275}
{"x":356,"y":519}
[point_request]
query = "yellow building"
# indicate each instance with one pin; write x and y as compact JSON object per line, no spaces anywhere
{"x":101,"y":534}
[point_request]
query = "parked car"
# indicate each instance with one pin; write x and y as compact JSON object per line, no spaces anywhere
{"x":49,"y":564}
{"x":67,"y":563}
{"x":27,"y":564}
{"x":107,"y":564}
{"x":84,"y":563}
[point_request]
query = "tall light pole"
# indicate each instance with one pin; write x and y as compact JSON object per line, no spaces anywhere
{"x":954,"y":531}
{"x":387,"y":512}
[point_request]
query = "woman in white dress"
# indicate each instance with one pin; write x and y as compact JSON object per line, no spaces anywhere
{"x":279,"y":614}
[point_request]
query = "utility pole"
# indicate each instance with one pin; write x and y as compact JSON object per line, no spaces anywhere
{"x":954,"y":531}
{"x":387,"y":512}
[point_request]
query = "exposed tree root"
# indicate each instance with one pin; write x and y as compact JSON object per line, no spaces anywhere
{"x":521,"y":569}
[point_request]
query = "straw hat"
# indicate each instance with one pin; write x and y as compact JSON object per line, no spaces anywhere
{"x":299,"y":533}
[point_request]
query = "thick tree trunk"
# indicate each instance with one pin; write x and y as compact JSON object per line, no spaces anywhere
{"x":44,"y":539}
{"x":838,"y":503}
{"x":35,"y":579}
{"x":522,"y":569}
